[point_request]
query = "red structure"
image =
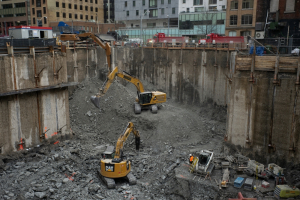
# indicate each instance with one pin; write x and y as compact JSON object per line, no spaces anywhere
{"x":216,"y":38}
{"x":161,"y":37}
{"x":240,"y":197}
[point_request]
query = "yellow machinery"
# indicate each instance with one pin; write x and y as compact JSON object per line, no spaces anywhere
{"x":145,"y":100}
{"x":117,"y":166}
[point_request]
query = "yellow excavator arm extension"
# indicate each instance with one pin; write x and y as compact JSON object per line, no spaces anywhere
{"x":121,"y":140}
{"x":135,"y":81}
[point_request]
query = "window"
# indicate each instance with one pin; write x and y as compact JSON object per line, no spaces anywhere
{"x":247,"y":19}
{"x":152,"y":3}
{"x":173,"y":10}
{"x":212,"y":1}
{"x":75,"y":16}
{"x":75,"y":6}
{"x":162,"y":11}
{"x":86,"y":8}
{"x":234,"y":5}
{"x":220,"y":21}
{"x":144,"y":3}
{"x":96,"y":1}
{"x":70,"y":15}
{"x":33,"y":20}
{"x":290,"y":6}
{"x":92,"y":17}
{"x":125,"y":3}
{"x":233,"y":20}
{"x":32,"y":2}
{"x":57,"y":4}
{"x":183,"y":1}
{"x":151,"y":25}
{"x":20,"y":5}
{"x":81,"y":16}
{"x":137,"y":12}
{"x":57,"y":14}
{"x":199,"y":9}
{"x":64,"y":15}
{"x":169,"y":1}
{"x":247,"y":4}
{"x":38,"y":3}
{"x":224,"y":7}
{"x":198,"y":2}
{"x":86,"y":17}
{"x":70,"y":6}
{"x":245,"y":33}
{"x":44,"y":10}
{"x":187,"y":10}
{"x":133,"y":3}
{"x":213,"y":8}
{"x":63,"y":5}
{"x":91,"y":1}
{"x":80,"y":7}
{"x":33,"y":11}
{"x":45,"y":20}
{"x":162,"y":1}
{"x":91,"y":9}
{"x":6,"y":6}
{"x":96,"y":9}
{"x":232,"y":33}
{"x":153,"y":13}
{"x":39,"y":13}
{"x":274,"y":5}
{"x":127,"y":13}
{"x":44,"y":1}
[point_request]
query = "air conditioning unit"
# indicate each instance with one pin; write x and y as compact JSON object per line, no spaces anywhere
{"x":259,"y":35}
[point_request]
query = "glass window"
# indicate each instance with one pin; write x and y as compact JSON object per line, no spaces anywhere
{"x":246,"y":19}
{"x":153,"y":13}
{"x":64,"y":15}
{"x":44,"y":10}
{"x":133,"y":3}
{"x":173,"y":10}
{"x":33,"y":20}
{"x":247,"y":4}
{"x":70,"y":6}
{"x":86,"y":17}
{"x":57,"y":14}
{"x":183,"y":1}
{"x":220,"y":21}
{"x":199,"y":9}
{"x":232,"y":33}
{"x":38,"y":3}
{"x":125,"y":3}
{"x":169,"y":1}
{"x":213,"y":8}
{"x":96,"y":9}
{"x":33,"y":11}
{"x":234,"y":5}
{"x":127,"y":13}
{"x":32,"y":2}
{"x":39,"y":13}
{"x":233,"y":20}
{"x":137,"y":12}
{"x":162,"y":1}
{"x":187,"y":10}
{"x":70,"y":15}
{"x":143,"y":2}
{"x":57,"y":4}
{"x":86,"y":8}
{"x":92,"y":9}
{"x":245,"y":33}
{"x":81,"y":16}
{"x":212,"y":1}
{"x":75,"y":16}
{"x":63,"y":5}
{"x":81,"y":7}
{"x":162,"y":11}
{"x":152,"y":3}
{"x":198,"y":2}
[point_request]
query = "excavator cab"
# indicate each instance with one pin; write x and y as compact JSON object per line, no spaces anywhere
{"x":145,"y":98}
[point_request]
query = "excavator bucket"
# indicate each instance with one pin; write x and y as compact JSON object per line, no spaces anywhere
{"x":95,"y":100}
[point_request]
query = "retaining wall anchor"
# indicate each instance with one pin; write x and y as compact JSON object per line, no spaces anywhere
{"x":44,"y":135}
{"x":56,"y":74}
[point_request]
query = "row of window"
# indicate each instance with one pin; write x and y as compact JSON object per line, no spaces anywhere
{"x":75,"y":7}
{"x":246,"y":20}
{"x":153,"y":13}
{"x":200,"y":2}
{"x":39,"y":12}
{"x":17,"y":5}
{"x":152,"y":3}
{"x":64,"y":15}
{"x":38,"y":2}
{"x":246,"y":4}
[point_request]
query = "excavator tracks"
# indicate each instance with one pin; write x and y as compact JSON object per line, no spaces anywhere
{"x":109,"y":182}
{"x":131,"y":179}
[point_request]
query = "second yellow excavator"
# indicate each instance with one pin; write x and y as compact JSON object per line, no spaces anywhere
{"x":116,"y":166}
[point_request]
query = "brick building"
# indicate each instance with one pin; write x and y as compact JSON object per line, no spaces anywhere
{"x":284,"y":18}
{"x":13,"y":13}
{"x":85,"y":13}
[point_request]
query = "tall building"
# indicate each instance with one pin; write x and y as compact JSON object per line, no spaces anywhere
{"x":109,"y":11}
{"x":199,"y":17}
{"x":86,"y":14}
{"x":14,"y":13}
{"x":241,"y":17}
{"x":154,"y":13}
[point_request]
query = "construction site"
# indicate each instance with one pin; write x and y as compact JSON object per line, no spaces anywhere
{"x":159,"y":122}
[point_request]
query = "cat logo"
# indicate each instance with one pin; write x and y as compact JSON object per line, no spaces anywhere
{"x":109,"y":167}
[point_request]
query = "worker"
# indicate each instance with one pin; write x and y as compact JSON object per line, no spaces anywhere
{"x":191,"y":158}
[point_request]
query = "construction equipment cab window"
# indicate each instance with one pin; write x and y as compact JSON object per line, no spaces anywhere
{"x":145,"y":98}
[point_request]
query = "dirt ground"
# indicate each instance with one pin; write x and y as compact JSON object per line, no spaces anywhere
{"x":68,"y":170}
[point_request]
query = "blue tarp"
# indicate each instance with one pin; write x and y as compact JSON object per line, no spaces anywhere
{"x":259,"y":51}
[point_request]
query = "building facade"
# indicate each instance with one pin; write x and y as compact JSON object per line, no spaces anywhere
{"x":154,"y":13}
{"x":81,"y":12}
{"x":14,"y":13}
{"x":186,"y":6}
{"x":109,"y":11}
{"x":241,"y":17}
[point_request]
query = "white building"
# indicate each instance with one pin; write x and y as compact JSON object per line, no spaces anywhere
{"x":201,"y":5}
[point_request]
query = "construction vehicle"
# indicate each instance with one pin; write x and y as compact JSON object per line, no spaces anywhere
{"x":285,"y":191}
{"x":145,"y":100}
{"x":214,"y":38}
{"x":202,"y":163}
{"x":114,"y":164}
{"x":161,"y":37}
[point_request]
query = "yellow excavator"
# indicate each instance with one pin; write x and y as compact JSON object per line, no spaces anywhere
{"x":145,"y":99}
{"x":113,"y":164}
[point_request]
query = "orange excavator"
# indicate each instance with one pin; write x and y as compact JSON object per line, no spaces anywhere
{"x":145,"y":99}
